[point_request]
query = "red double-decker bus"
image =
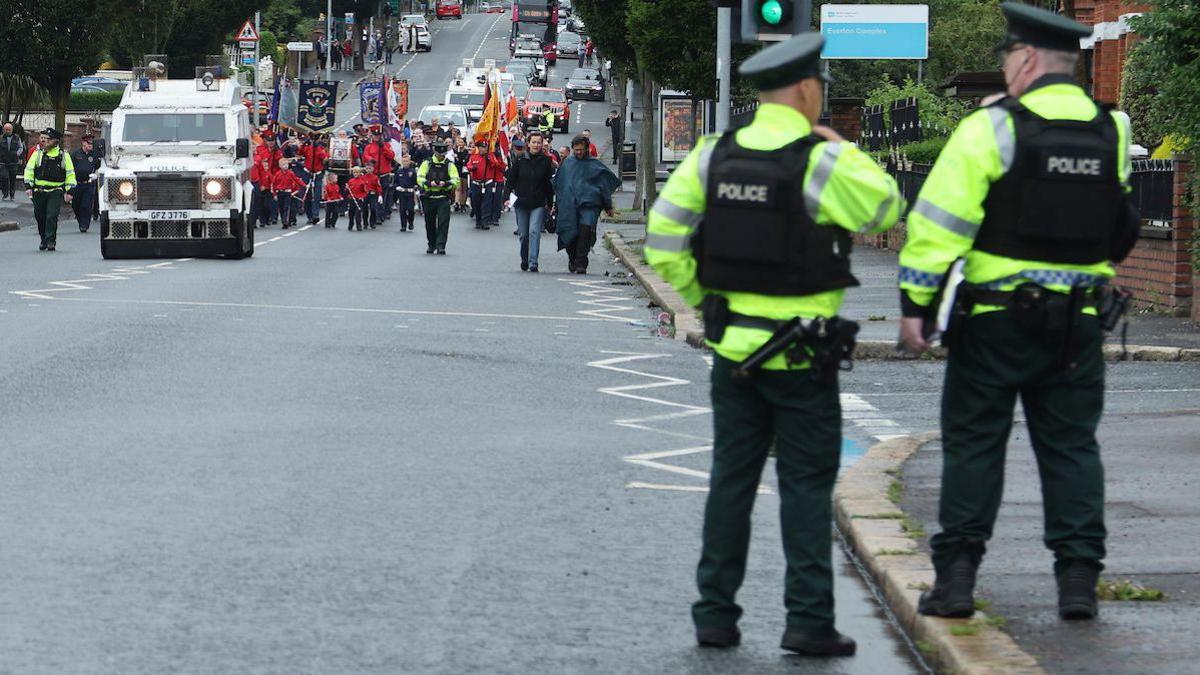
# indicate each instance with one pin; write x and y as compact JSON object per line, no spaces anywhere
{"x":538,"y":18}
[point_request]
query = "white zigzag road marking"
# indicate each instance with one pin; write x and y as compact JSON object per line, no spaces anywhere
{"x":117,"y":274}
{"x":607,"y":298}
{"x":684,"y":410}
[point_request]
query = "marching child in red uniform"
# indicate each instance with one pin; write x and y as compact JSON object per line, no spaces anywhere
{"x":333,"y":199}
{"x":357,"y":186}
{"x":288,"y":189}
{"x":374,"y":204}
{"x":262,"y":203}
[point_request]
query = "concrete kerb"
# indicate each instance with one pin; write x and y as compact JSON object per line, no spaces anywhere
{"x":9,"y":226}
{"x":686,"y":321}
{"x":688,"y":325}
{"x":867,"y":520}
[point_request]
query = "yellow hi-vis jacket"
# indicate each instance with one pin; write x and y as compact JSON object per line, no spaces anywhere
{"x":949,"y":211}
{"x":35,"y":160}
{"x":843,"y":187}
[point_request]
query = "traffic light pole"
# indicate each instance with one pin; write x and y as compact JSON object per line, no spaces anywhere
{"x":724,"y":21}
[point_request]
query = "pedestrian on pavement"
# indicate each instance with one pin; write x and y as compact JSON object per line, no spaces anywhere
{"x":589,"y":50}
{"x":372,"y":54}
{"x":406,"y":192}
{"x":333,"y":199}
{"x":389,"y":38}
{"x":583,"y":188}
{"x":795,"y":182}
{"x":316,"y":156}
{"x":438,"y":178}
{"x":49,"y":175}
{"x":348,"y":53}
{"x":531,"y":178}
{"x":335,"y":54}
{"x":12,"y":152}
{"x":616,"y":126}
{"x":1031,"y":191}
{"x":87,"y":162}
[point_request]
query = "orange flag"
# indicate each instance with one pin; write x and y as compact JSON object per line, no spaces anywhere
{"x":489,"y":125}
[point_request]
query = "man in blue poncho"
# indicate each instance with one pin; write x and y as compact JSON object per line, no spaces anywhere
{"x":583,"y":188}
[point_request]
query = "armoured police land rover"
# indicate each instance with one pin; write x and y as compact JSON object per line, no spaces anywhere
{"x":176,"y":180}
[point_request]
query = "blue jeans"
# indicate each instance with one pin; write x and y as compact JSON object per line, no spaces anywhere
{"x":529,"y":228}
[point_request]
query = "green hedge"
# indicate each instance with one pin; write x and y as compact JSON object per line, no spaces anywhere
{"x":922,"y":152}
{"x":94,"y":100}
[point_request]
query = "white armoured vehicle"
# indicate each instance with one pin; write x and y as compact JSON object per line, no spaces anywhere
{"x":176,"y":180}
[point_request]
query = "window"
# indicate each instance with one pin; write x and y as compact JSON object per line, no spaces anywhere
{"x":174,"y":127}
{"x":544,"y":96}
{"x":466,"y":99}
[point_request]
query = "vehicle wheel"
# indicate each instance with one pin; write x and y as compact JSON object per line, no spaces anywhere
{"x":104,"y":238}
{"x":250,"y":243}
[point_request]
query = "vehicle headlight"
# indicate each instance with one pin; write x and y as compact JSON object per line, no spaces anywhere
{"x":217,"y":189}
{"x":122,"y":190}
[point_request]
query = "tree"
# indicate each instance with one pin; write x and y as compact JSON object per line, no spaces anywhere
{"x":1168,"y":53}
{"x":59,"y":41}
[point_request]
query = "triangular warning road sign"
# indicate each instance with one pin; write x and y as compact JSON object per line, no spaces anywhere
{"x":247,"y":33}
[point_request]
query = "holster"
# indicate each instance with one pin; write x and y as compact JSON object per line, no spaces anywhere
{"x":715,"y":311}
{"x":832,"y":343}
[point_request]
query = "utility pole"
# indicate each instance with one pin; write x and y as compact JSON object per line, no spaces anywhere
{"x":329,"y":41}
{"x":257,"y":43}
{"x":724,"y":20}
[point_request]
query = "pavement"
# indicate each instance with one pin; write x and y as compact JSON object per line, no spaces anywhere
{"x":345,"y":456}
{"x":1150,"y":454}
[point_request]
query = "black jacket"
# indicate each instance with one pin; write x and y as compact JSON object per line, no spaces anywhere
{"x":12,"y":149}
{"x":86,"y":164}
{"x":530,"y":177}
{"x":617,"y":126}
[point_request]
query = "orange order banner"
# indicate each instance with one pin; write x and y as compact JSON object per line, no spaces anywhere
{"x":400,"y":87}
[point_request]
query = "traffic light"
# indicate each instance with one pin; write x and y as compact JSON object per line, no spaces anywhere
{"x":773,"y":20}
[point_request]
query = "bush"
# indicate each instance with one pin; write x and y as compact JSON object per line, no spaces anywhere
{"x":103,"y":101}
{"x":938,"y":113}
{"x":925,"y":151}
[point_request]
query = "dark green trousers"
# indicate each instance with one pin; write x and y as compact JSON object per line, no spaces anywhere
{"x":437,"y":219}
{"x":46,"y":205}
{"x":992,"y":363}
{"x":804,"y":419}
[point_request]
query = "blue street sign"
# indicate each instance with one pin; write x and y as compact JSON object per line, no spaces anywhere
{"x":875,"y":31}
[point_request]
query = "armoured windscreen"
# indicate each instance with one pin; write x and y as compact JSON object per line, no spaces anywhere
{"x":174,"y":127}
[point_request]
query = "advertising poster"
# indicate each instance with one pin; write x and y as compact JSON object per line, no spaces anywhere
{"x":678,"y":128}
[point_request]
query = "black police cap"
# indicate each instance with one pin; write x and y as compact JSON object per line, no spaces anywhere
{"x":785,"y":63}
{"x":53,"y":134}
{"x":1039,"y":28}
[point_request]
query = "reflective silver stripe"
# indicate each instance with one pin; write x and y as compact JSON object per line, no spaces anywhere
{"x":1006,"y":141}
{"x":702,"y":162}
{"x":946,"y":219}
{"x":821,"y":176}
{"x":671,"y":243}
{"x":675,"y":212}
{"x":880,"y":213}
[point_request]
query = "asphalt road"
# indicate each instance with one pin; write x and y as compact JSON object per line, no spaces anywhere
{"x":345,"y":456}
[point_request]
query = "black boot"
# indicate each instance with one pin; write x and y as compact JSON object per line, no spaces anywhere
{"x":721,"y":638}
{"x":953,"y":593}
{"x":1077,"y":590}
{"x":826,"y":642}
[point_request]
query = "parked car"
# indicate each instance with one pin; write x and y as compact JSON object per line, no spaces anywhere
{"x":568,"y":43}
{"x":493,"y":7}
{"x":585,"y":84}
{"x":92,"y":83}
{"x":521,"y":69}
{"x":413,"y":20}
{"x":540,"y":98}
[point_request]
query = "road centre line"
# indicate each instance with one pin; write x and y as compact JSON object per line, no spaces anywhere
{"x":357,"y":310}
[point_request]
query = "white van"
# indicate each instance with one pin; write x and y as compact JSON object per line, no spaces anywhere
{"x":176,"y":180}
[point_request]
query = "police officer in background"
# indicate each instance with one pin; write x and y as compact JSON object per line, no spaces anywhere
{"x":87,"y":162}
{"x":1031,"y":192}
{"x":754,"y":227}
{"x":437,"y":178}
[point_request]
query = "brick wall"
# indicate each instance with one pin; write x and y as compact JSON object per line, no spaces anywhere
{"x":1159,"y":271}
{"x":1108,"y":54}
{"x":845,"y":116}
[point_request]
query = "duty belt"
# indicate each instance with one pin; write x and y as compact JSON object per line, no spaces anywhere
{"x":986,"y":296}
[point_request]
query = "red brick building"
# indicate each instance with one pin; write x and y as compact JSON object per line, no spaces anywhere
{"x":1104,"y":53}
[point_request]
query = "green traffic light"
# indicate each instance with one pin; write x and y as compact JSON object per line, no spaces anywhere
{"x":771,"y":12}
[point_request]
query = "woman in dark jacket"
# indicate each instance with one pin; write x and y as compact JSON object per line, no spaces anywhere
{"x":530,"y":178}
